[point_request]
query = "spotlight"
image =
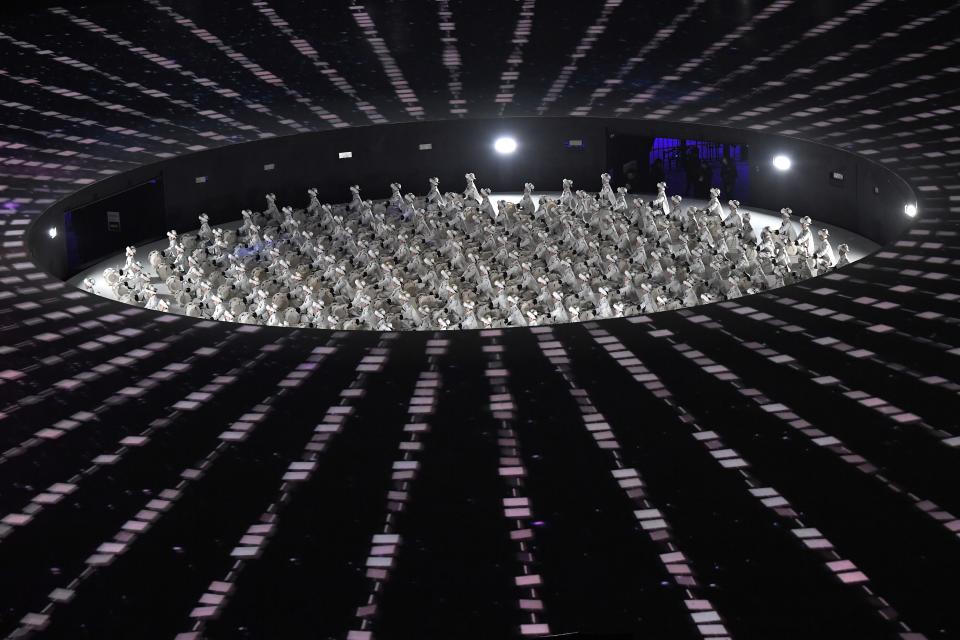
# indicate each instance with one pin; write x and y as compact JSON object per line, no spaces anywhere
{"x":52,"y":232}
{"x":781,"y":162}
{"x":505,"y":145}
{"x":910,"y":210}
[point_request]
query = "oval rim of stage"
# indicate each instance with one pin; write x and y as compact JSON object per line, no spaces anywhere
{"x":36,"y":234}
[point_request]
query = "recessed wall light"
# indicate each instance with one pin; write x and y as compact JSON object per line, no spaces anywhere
{"x":505,"y":145}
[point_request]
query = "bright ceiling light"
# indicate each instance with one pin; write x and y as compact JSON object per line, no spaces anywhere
{"x":505,"y":145}
{"x":52,"y":232}
{"x":910,"y":210}
{"x":781,"y":162}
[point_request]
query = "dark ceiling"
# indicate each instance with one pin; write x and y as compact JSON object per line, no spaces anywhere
{"x":783,"y":466}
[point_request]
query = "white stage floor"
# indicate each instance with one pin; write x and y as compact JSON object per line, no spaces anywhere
{"x":760,"y":218}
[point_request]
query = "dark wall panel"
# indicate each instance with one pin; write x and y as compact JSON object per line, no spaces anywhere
{"x":140,"y":218}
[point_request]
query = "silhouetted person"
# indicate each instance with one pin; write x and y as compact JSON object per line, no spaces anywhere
{"x":728,"y":175}
{"x":657,"y":174}
{"x":631,"y":174}
{"x":704,"y":179}
{"x":692,"y":167}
